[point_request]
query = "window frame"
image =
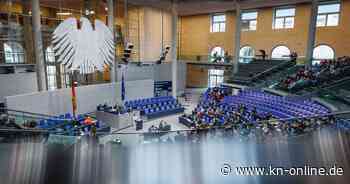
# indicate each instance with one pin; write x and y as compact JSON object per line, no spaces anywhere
{"x":277,"y":47}
{"x":216,"y":76}
{"x":51,"y":68}
{"x":51,"y":76}
{"x":217,"y":22}
{"x":65,"y":74}
{"x":328,"y":14}
{"x":249,"y":20}
{"x":242,"y":57}
{"x":314,"y":60}
{"x":222,"y":53}
{"x":17,"y":57}
{"x":283,"y":17}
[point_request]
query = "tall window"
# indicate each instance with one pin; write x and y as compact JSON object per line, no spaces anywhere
{"x":51,"y":77}
{"x":65,"y":77}
{"x":50,"y":68}
{"x":218,"y":23}
{"x":246,"y":54}
{"x":14,"y":52}
{"x":216,"y":77}
{"x":284,"y":18}
{"x":322,"y":52}
{"x":328,"y":15}
{"x":217,"y":54}
{"x":49,"y":55}
{"x":280,"y":52}
{"x":249,"y":21}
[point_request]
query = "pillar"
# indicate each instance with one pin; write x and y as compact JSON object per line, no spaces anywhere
{"x":237,"y":41}
{"x":110,"y":5}
{"x":27,"y":33}
{"x":174,"y":49}
{"x":126,"y":23}
{"x":312,"y":32}
{"x":38,"y":46}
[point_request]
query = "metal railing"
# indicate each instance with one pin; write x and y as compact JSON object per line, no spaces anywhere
{"x":285,"y":120}
{"x":284,"y":63}
{"x":343,"y":115}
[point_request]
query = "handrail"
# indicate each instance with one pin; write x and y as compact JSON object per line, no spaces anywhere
{"x":272,"y":68}
{"x":31,"y":130}
{"x":266,"y":71}
{"x":35,"y":115}
{"x":223,"y":126}
{"x":327,"y":87}
{"x":335,"y":83}
{"x":19,"y":111}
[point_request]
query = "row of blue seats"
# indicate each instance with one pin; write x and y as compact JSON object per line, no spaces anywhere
{"x":58,"y":120}
{"x":136,"y":105}
{"x":149,"y":100}
{"x":343,"y":124}
{"x":265,"y":103}
{"x":280,"y":107}
{"x":275,"y":110}
{"x":286,"y":101}
{"x":160,"y":109}
{"x":166,"y":112}
{"x":63,"y":124}
{"x":276,"y":106}
{"x":155,"y":107}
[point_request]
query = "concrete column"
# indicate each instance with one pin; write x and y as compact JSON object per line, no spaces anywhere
{"x":312,"y":32}
{"x":38,"y":46}
{"x":110,"y":4}
{"x":174,"y":49}
{"x":27,"y":33}
{"x":126,"y":23}
{"x":237,"y":41}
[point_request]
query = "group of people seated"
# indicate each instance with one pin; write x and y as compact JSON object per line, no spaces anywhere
{"x":6,"y":122}
{"x":302,"y":78}
{"x":323,"y":72}
{"x":163,"y":126}
{"x":88,"y":123}
{"x":246,"y":131}
{"x":216,"y":58}
{"x":243,"y":122}
{"x":118,"y":109}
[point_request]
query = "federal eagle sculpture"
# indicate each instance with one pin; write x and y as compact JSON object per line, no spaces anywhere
{"x":82,"y":46}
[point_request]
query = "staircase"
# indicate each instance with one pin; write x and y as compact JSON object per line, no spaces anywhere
{"x":275,"y":78}
{"x":258,"y":70}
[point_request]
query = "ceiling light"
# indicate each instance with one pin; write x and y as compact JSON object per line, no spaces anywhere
{"x":64,"y":13}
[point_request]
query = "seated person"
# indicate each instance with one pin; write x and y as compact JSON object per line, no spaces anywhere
{"x":166,"y":127}
{"x":30,"y":124}
{"x":227,"y":58}
{"x":160,"y":127}
{"x":88,"y":121}
{"x":12,"y":124}
{"x":152,"y":129}
{"x":3,"y":119}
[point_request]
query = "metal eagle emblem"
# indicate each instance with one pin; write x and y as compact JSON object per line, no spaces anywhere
{"x":82,"y":46}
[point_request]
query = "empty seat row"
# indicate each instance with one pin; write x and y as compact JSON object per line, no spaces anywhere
{"x":278,"y":106}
